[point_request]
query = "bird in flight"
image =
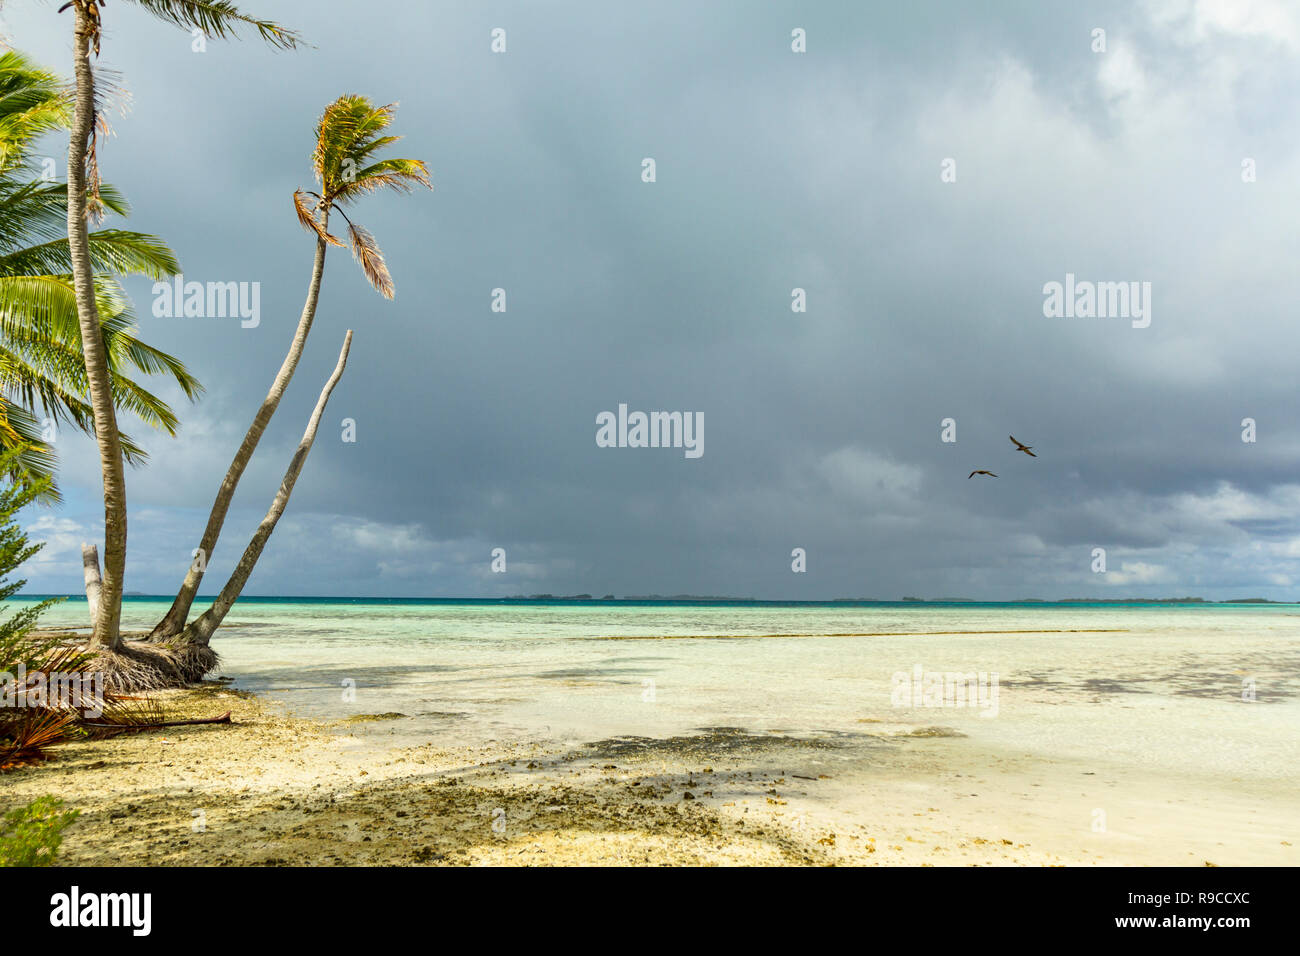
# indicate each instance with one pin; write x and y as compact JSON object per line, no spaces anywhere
{"x":981,"y":472}
{"x":1024,"y":448}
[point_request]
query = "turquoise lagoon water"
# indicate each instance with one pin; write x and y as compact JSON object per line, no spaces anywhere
{"x":1206,"y":689}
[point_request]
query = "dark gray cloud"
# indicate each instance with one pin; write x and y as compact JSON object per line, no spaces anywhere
{"x":775,"y":170}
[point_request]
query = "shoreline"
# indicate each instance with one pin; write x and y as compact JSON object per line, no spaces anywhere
{"x":273,"y":789}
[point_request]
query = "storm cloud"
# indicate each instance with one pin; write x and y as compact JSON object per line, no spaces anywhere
{"x":922,"y":172}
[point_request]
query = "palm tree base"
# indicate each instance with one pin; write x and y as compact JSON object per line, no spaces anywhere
{"x":143,"y":666}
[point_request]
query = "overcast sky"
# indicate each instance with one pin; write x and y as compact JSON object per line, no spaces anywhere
{"x":775,"y":170}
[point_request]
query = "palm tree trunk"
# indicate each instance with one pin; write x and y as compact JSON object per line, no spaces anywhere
{"x":174,"y":621}
{"x":108,"y":619}
{"x":94,"y":580}
{"x":203,"y":627}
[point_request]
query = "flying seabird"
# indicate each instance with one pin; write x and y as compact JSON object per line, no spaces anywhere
{"x":1024,"y":448}
{"x":980,"y":472}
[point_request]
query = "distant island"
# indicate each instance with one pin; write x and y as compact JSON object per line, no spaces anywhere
{"x":552,"y":597}
{"x":1082,"y":600}
{"x":628,"y":597}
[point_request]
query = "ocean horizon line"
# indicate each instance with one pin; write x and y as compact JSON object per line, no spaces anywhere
{"x":685,"y":600}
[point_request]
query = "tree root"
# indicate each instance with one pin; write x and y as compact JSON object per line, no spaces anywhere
{"x":143,"y":666}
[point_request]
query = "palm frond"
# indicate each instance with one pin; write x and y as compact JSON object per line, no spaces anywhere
{"x":366,"y":251}
{"x":24,"y":457}
{"x":350,"y":132}
{"x":33,"y":102}
{"x":307,"y":218}
{"x":111,"y":250}
{"x":26,"y":734}
{"x":41,"y":364}
{"x":220,"y":19}
{"x":38,"y":211}
{"x":401,"y":175}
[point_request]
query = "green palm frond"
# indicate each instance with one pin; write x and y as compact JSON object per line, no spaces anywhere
{"x":220,"y":19}
{"x":38,"y":320}
{"x":31,"y":212}
{"x":38,"y":211}
{"x":41,"y":363}
{"x":42,"y":366}
{"x":24,"y":457}
{"x":43,"y":305}
{"x":32,"y":102}
{"x":338,"y":130}
{"x":46,"y":381}
{"x":111,"y":251}
{"x":349,"y":133}
{"x":401,"y":175}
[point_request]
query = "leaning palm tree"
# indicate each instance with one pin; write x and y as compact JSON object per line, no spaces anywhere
{"x":199,"y":632}
{"x":216,"y":18}
{"x":349,"y":136}
{"x":42,"y":373}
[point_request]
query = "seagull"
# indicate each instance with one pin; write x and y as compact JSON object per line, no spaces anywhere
{"x":1024,"y":448}
{"x":981,"y":472}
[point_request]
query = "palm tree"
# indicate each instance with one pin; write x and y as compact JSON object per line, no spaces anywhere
{"x":349,"y":136}
{"x":199,"y":632}
{"x":41,"y":368}
{"x":216,"y":18}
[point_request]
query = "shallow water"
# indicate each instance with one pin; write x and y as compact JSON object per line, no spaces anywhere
{"x":1154,"y":686}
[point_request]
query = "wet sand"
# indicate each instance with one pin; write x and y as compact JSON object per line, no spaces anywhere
{"x":274,"y":789}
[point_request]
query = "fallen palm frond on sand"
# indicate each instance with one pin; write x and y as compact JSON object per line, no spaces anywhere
{"x":53,"y":688}
{"x":37,"y":713}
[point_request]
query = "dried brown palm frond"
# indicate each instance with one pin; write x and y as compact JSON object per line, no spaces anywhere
{"x":122,"y":715}
{"x":367,"y":252}
{"x":111,"y":95}
{"x":308,"y":220}
{"x":27,"y":733}
{"x":113,"y":728}
{"x":62,"y":657}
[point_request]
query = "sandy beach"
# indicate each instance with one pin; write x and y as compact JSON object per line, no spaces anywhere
{"x":278,"y":790}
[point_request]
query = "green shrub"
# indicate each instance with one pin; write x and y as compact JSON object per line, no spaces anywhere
{"x":30,"y":835}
